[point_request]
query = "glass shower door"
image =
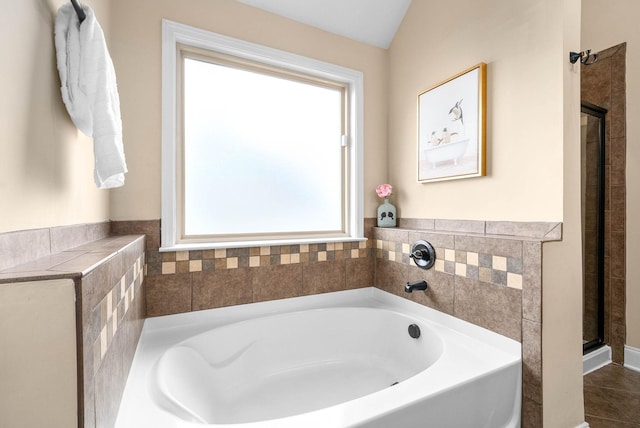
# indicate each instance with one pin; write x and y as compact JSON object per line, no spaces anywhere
{"x":593,"y":161}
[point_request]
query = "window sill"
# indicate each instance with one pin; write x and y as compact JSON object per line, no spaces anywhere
{"x":246,"y":244}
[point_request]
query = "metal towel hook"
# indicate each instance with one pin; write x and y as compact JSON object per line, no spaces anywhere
{"x":79,"y":10}
{"x":585,"y":57}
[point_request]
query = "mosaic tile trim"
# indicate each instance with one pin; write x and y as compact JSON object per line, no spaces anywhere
{"x":234,"y":258}
{"x":489,"y":268}
{"x":113,"y":308}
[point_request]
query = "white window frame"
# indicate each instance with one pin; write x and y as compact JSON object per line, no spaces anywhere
{"x":174,"y":33}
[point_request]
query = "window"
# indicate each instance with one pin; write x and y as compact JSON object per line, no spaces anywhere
{"x":259,"y":146}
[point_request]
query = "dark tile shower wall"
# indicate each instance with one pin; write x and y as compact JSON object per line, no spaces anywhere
{"x":603,"y":84}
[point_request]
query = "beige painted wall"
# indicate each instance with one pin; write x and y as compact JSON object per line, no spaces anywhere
{"x":523,"y":43}
{"x":562,"y":386}
{"x":39,"y":374}
{"x":524,"y":158}
{"x":137,"y":58}
{"x":606,"y":24}
{"x":533,"y":147}
{"x":46,"y":165}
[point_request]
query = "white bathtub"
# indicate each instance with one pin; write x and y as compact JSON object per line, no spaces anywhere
{"x":341,"y":359}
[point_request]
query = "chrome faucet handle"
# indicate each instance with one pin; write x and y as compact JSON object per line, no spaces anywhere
{"x":418,"y":254}
{"x":423,"y":254}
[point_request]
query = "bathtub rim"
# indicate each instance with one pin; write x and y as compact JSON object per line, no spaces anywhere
{"x":184,"y":324}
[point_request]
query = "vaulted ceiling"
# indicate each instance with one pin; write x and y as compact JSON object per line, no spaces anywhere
{"x":374,"y":22}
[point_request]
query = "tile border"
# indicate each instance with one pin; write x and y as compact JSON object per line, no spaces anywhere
{"x":485,"y":267}
{"x":113,"y":308}
{"x":175,"y":262}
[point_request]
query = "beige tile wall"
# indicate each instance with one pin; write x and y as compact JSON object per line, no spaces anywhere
{"x":108,"y":274}
{"x":195,"y":280}
{"x":487,"y":273}
{"x":483,"y":274}
{"x":113,"y":310}
{"x":109,"y":314}
{"x":490,"y":280}
{"x":20,"y":247}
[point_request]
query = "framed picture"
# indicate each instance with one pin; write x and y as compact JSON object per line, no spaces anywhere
{"x":452,"y":127}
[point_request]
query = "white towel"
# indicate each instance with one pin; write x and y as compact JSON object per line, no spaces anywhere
{"x":89,"y":91}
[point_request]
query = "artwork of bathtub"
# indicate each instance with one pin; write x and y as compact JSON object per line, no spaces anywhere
{"x":445,"y":152}
{"x":344,"y":359}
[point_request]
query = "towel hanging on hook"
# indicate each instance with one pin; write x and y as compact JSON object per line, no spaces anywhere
{"x":89,"y":91}
{"x":79,"y":10}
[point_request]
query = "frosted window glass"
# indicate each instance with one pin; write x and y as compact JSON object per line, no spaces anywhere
{"x":262,"y":154}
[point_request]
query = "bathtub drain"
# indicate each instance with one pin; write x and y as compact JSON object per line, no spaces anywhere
{"x":414,"y":331}
{"x":394,"y":383}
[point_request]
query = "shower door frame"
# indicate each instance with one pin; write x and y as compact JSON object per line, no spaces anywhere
{"x":600,"y":114}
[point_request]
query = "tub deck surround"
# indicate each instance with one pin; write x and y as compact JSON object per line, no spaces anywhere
{"x":487,"y":273}
{"x":75,"y":262}
{"x":108,"y":274}
{"x":472,"y":366}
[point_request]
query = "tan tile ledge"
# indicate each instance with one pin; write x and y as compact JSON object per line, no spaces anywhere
{"x":526,"y":231}
{"x":75,"y":262}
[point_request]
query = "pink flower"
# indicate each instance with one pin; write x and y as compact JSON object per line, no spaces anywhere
{"x":384,"y":190}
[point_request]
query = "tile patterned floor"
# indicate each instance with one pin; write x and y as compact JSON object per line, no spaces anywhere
{"x":612,"y":398}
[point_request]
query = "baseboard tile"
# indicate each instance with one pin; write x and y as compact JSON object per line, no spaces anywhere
{"x":632,"y":358}
{"x":596,"y":359}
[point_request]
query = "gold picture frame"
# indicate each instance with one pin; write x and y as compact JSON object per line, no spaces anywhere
{"x":452,"y":127}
